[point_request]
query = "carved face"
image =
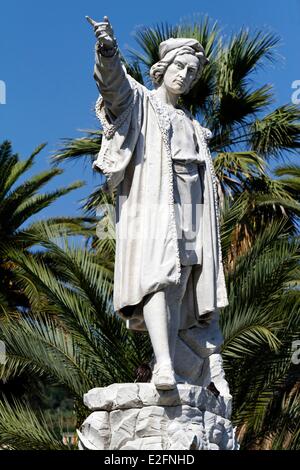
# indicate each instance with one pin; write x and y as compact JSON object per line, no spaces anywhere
{"x":181,"y":73}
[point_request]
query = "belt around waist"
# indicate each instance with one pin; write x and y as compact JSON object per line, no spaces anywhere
{"x":187,"y":166}
{"x":187,"y":162}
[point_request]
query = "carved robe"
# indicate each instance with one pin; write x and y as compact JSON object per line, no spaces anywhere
{"x":136,"y":158}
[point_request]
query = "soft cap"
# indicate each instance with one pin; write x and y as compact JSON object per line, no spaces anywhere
{"x":177,"y":43}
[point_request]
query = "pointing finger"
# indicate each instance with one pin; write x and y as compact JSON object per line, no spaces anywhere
{"x":91,"y":21}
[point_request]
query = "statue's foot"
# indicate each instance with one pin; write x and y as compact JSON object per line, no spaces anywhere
{"x":163,"y":377}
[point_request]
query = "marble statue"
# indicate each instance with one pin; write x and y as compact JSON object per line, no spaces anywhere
{"x":169,"y":276}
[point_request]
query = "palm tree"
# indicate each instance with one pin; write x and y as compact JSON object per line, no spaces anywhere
{"x":73,"y":339}
{"x":260,"y":325}
{"x":19,"y":201}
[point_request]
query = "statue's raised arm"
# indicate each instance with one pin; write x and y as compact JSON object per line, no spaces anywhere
{"x":111,"y":78}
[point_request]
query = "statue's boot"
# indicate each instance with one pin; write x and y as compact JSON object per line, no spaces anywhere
{"x":163,"y":377}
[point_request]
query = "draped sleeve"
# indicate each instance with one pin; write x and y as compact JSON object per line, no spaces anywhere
{"x":117,"y":111}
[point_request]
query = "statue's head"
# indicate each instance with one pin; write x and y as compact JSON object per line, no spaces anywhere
{"x":180,"y":66}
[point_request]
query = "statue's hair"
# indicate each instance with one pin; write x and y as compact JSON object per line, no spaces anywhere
{"x":158,"y":70}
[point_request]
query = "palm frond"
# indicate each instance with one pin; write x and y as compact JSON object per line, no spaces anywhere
{"x":277,"y":132}
{"x":22,"y":429}
{"x":86,"y":147}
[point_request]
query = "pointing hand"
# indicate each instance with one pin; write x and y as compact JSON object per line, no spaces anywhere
{"x":103,"y":32}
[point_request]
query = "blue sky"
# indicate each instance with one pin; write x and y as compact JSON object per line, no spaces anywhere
{"x":46,"y":62}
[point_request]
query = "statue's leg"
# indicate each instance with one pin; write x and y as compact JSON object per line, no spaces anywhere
{"x":162,"y":317}
{"x":174,"y":296}
{"x":156,"y":319}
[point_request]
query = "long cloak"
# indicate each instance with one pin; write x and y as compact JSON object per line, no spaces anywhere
{"x":136,"y":159}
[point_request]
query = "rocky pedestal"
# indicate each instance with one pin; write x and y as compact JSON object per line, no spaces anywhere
{"x":136,"y":416}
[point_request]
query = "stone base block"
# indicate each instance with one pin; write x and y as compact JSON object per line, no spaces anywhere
{"x":137,"y":416}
